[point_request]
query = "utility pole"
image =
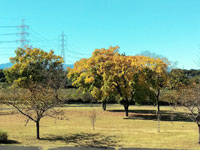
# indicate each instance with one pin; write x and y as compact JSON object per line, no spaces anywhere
{"x":23,"y":34}
{"x":63,"y":45}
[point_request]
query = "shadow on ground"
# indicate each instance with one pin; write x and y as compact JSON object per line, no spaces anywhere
{"x":9,"y":142}
{"x":81,"y":148}
{"x":144,"y":149}
{"x":86,"y":140}
{"x":7,"y":113}
{"x":151,"y":115}
{"x":19,"y":148}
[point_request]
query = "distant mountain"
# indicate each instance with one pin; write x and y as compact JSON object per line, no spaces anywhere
{"x":68,"y":65}
{"x":7,"y":65}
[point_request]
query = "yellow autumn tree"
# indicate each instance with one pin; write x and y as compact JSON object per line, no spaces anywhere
{"x":108,"y":73}
{"x":37,"y":78}
{"x":122,"y":75}
{"x":87,"y":74}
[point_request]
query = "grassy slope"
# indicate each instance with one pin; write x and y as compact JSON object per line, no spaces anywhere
{"x":111,"y":129}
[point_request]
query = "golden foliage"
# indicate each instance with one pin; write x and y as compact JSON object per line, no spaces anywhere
{"x":107,"y":72}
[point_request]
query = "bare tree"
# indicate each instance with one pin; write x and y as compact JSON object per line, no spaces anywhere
{"x":189,"y":97}
{"x":93,"y":116}
{"x":34,"y":104}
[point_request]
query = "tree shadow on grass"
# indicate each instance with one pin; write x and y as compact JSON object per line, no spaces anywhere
{"x":151,"y":115}
{"x":9,"y":142}
{"x":7,"y":113}
{"x":86,"y":140}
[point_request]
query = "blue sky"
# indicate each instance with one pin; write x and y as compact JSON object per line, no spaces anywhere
{"x":167,"y":27}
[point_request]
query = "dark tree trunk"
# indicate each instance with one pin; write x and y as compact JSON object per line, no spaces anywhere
{"x":157,"y":102}
{"x":38,"y":129}
{"x":104,"y":105}
{"x":126,"y":105}
{"x":199,"y":132}
{"x":158,"y":121}
{"x":158,"y":109}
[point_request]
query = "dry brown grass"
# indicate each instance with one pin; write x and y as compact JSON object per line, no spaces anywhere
{"x":112,"y":129}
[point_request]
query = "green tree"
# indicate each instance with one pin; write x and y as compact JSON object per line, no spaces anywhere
{"x":2,"y":76}
{"x":143,"y":92}
{"x":177,"y":78}
{"x":37,"y":79}
{"x":160,"y":78}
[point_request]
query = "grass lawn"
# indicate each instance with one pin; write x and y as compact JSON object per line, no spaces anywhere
{"x":112,"y":129}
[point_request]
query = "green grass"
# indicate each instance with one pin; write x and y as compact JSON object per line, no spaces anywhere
{"x":112,"y":129}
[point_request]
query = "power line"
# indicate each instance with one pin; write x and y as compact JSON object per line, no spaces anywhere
{"x":8,"y":26}
{"x":43,"y":42}
{"x":38,"y":44}
{"x":75,"y":47}
{"x":9,"y":34}
{"x":74,"y":50}
{"x":8,"y":41}
{"x":22,"y":33}
{"x":40,"y":39}
{"x":73,"y":56}
{"x":43,"y":37}
{"x":63,"y":45}
{"x":7,"y":47}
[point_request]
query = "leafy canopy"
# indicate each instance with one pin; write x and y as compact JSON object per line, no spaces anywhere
{"x":33,"y":66}
{"x":108,"y":73}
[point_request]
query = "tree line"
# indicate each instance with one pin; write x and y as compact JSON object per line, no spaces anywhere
{"x":37,"y":81}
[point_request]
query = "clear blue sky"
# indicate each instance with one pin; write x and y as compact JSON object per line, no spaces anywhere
{"x":167,"y":27}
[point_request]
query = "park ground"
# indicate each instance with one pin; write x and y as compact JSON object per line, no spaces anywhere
{"x":112,"y":129}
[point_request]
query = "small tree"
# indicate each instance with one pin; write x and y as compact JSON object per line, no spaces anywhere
{"x":189,"y":97}
{"x":93,"y":117}
{"x":37,"y":79}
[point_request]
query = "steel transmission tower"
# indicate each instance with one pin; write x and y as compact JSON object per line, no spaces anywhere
{"x":63,"y":45}
{"x":23,"y":34}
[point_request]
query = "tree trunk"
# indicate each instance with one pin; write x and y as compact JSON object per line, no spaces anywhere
{"x":157,"y":102}
{"x":104,"y":105}
{"x":158,"y":120}
{"x":38,"y":129}
{"x":126,"y":105}
{"x":158,"y":106}
{"x":199,"y":132}
{"x":158,"y":109}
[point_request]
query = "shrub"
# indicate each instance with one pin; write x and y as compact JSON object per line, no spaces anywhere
{"x":3,"y":136}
